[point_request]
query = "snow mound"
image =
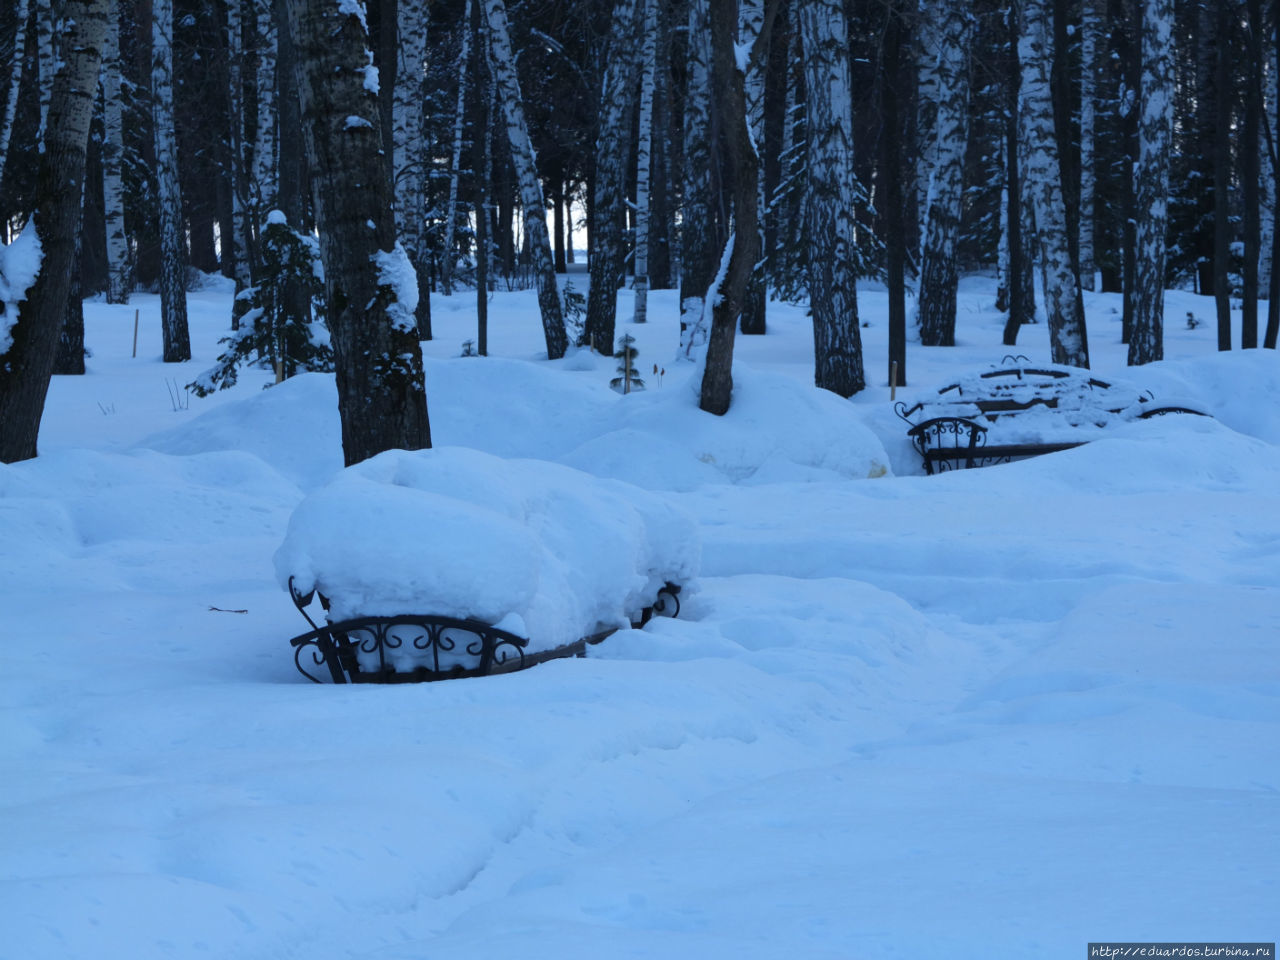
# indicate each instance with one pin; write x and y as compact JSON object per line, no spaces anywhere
{"x":544,"y":551}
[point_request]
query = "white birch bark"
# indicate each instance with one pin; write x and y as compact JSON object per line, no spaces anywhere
{"x":829,"y":199}
{"x":502,"y":59}
{"x":1151,"y":181}
{"x":455,"y":166}
{"x":265,"y":178}
{"x":15,"y":82}
{"x":644,"y":157}
{"x":1063,"y":304}
{"x":240,"y":230}
{"x":112,"y":164}
{"x":1266,"y":164}
{"x":46,"y":59}
{"x":409,"y":147}
{"x":928,"y":93}
{"x":1090,"y":33}
{"x":750,"y":23}
{"x":699,"y":253}
{"x":944,"y":71}
{"x":173,"y":261}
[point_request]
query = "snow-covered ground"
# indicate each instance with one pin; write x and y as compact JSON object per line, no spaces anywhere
{"x":996,"y":713}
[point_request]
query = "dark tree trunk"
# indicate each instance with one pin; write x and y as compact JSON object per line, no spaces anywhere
{"x":1022,"y":304}
{"x":28,"y":363}
{"x":381,"y":396}
{"x":1222,"y":179}
{"x":740,"y":169}
{"x":891,"y":177}
{"x":557,"y":225}
{"x":481,"y":162}
{"x":70,"y":359}
{"x":1273,"y":301}
{"x":1249,"y":171}
{"x":292,"y":162}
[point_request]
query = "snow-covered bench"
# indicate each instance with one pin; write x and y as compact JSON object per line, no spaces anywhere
{"x":1013,"y":412}
{"x":453,"y":563}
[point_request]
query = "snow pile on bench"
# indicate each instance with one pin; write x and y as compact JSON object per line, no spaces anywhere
{"x":540,"y":550}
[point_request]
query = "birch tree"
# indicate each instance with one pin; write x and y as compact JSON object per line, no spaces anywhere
{"x":238,"y":176}
{"x":1151,"y":181}
{"x":173,"y":248}
{"x":701,"y":234}
{"x":829,"y":199}
{"x":26,"y":366}
{"x":535,"y":210}
{"x":751,"y":16}
{"x":945,"y":74}
{"x":613,"y":144}
{"x":113,"y":163}
{"x":14,"y":87}
{"x":410,"y":149}
{"x":382,"y":399}
{"x":1063,"y":304}
{"x":644,"y":155}
{"x":46,"y":57}
{"x":265,"y":169}
{"x":1090,"y":32}
{"x":455,"y":165}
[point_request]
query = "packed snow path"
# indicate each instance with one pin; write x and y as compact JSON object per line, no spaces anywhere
{"x":998,"y":712}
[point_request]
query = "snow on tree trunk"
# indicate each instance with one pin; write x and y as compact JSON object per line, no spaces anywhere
{"x":1151,"y":181}
{"x":613,"y":144}
{"x":1090,"y":33}
{"x":112,"y":165}
{"x":750,"y":24}
{"x":265,"y":180}
{"x":700,"y":239}
{"x":1064,"y":306}
{"x":535,"y":210}
{"x":944,"y":70}
{"x":173,"y":248}
{"x":46,"y":57}
{"x":409,"y":147}
{"x":740,"y":169}
{"x":455,"y":166}
{"x":644,"y":157}
{"x":369,"y":282}
{"x":15,"y":82}
{"x":829,"y":199}
{"x":26,"y":366}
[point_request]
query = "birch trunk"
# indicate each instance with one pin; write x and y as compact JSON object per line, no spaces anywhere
{"x":27,"y":365}
{"x":535,"y":209}
{"x":409,"y":148}
{"x":173,"y":249}
{"x":14,"y":89}
{"x":701,"y":240}
{"x":112,"y":165}
{"x":448,"y":258}
{"x":644,"y":157}
{"x":1063,"y":304}
{"x":1151,"y":182}
{"x":613,"y":144}
{"x":944,"y":70}
{"x":241,"y":232}
{"x":751,"y":16}
{"x":829,"y":199}
{"x":1090,"y":32}
{"x":46,"y":58}
{"x":265,"y":175}
{"x":382,"y":400}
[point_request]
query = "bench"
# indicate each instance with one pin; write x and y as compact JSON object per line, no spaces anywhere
{"x":986,"y":419}
{"x":416,"y":648}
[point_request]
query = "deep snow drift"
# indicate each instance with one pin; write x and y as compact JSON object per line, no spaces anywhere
{"x":999,"y":712}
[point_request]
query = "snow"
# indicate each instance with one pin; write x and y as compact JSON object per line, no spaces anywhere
{"x":19,"y":267}
{"x":995,"y":712}
{"x":396,"y":271}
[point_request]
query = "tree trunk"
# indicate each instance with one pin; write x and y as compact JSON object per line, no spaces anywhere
{"x":118,"y":281}
{"x":535,"y":210}
{"x":609,"y":204}
{"x":945,"y":69}
{"x":381,"y":398}
{"x":895,"y":227}
{"x":1249,"y":176}
{"x":14,"y":89}
{"x":751,"y":17}
{"x":644,"y":156}
{"x":1090,"y":31}
{"x":46,"y":57}
{"x":702,"y":236}
{"x":1063,"y":303}
{"x":1222,"y":178}
{"x":1273,"y":303}
{"x":740,"y":171}
{"x":410,"y":150}
{"x":1155,"y":140}
{"x":481,"y":169}
{"x":173,"y":248}
{"x":27,"y":365}
{"x":447,"y":255}
{"x":829,"y":200}
{"x":265,"y":169}
{"x":240,"y":215}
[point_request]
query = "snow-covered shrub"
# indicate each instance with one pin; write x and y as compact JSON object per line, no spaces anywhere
{"x":272,"y":334}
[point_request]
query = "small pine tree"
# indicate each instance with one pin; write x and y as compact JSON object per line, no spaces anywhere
{"x":626,"y":356}
{"x":271,"y":335}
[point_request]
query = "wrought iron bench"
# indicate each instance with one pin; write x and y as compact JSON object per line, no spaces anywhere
{"x":955,"y":432}
{"x":415,"y":648}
